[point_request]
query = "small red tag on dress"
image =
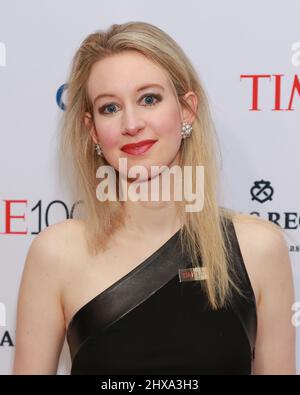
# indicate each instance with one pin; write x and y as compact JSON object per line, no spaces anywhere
{"x":192,"y":274}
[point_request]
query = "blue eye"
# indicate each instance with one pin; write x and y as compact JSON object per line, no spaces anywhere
{"x":148,"y":102}
{"x":109,"y":106}
{"x":151,"y":101}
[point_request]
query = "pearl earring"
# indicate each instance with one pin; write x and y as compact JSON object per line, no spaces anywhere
{"x":186,"y":130}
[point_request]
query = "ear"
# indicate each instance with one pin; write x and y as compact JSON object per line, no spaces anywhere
{"x":89,"y":124}
{"x":192,"y":99}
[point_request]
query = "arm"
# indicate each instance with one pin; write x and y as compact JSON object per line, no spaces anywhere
{"x":275,"y":345}
{"x":40,"y":320}
{"x":267,"y":260}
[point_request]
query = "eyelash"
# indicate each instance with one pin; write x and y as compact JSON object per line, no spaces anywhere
{"x":156,"y":96}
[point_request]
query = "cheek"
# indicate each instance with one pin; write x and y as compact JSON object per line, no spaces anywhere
{"x":168,"y":123}
{"x":108,"y":137}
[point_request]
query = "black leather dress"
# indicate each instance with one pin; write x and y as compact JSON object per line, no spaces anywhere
{"x":149,"y":322}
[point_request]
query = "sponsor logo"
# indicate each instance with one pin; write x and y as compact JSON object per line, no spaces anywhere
{"x":262,"y":191}
{"x":279,"y":83}
{"x":59,"y":96}
{"x":15,"y":215}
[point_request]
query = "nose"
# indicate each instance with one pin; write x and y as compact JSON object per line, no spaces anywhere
{"x":132,"y":124}
{"x":132,"y":130}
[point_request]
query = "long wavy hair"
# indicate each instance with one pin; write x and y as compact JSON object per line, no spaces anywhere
{"x":203,"y":233}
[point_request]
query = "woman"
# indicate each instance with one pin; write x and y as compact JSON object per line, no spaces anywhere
{"x":122,"y":282}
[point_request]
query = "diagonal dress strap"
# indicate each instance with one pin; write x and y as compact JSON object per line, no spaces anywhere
{"x":127,"y":293}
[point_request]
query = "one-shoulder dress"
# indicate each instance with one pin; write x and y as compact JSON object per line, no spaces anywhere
{"x":149,"y":322}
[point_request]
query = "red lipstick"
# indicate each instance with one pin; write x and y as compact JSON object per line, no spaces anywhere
{"x":138,"y":148}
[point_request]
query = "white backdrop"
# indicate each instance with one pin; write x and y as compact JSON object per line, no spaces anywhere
{"x":225,"y":40}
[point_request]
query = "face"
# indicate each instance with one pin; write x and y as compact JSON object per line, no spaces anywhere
{"x":133,"y":101}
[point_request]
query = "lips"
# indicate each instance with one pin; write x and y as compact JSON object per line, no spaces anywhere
{"x":138,"y":148}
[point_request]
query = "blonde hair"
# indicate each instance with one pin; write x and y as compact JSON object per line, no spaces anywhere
{"x":203,"y":232}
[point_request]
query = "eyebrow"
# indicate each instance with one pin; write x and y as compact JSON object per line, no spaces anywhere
{"x":138,"y":90}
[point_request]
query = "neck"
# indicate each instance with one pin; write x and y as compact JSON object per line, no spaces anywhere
{"x":153,"y":216}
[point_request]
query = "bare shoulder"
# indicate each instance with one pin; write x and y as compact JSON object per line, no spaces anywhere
{"x":54,"y":251}
{"x":264,"y":249}
{"x":56,"y":242}
{"x":49,"y":254}
{"x":256,"y":232}
{"x":59,"y":232}
{"x":262,"y":238}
